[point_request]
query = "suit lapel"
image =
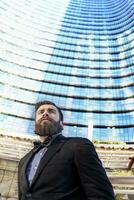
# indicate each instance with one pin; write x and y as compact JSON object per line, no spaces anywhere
{"x":24,"y":167}
{"x":55,"y":146}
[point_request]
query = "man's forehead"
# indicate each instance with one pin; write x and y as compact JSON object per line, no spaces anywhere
{"x":47,"y":106}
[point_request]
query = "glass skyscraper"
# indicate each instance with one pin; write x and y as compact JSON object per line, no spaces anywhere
{"x":76,"y":53}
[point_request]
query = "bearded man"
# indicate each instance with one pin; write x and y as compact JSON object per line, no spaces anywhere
{"x":60,"y":168}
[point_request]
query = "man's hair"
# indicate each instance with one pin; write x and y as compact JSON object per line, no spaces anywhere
{"x":40,"y":103}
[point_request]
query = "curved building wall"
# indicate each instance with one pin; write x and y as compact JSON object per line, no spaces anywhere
{"x":78,"y":54}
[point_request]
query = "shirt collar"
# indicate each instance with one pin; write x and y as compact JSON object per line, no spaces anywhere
{"x":47,"y":142}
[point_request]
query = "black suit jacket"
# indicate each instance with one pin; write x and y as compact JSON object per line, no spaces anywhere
{"x":70,"y":170}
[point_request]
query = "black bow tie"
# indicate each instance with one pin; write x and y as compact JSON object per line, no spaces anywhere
{"x":39,"y":145}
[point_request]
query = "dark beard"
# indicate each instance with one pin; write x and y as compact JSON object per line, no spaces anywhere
{"x":47,"y":128}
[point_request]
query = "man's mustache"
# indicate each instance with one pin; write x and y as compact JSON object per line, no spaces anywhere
{"x":45,"y":118}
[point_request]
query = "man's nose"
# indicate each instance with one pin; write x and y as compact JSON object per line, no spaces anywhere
{"x":45,"y":113}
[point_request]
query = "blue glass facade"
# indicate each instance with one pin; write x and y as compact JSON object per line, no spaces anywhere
{"x":76,"y":53}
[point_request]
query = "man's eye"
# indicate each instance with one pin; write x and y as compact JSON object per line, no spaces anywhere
{"x":52,"y":111}
{"x":41,"y":111}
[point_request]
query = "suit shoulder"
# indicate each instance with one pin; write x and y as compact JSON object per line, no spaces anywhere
{"x":79,"y":144}
{"x":22,"y":160}
{"x":79,"y":140}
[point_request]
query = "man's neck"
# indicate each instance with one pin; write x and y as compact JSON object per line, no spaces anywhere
{"x":43,"y":138}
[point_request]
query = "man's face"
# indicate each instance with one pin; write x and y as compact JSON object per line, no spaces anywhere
{"x":47,"y":121}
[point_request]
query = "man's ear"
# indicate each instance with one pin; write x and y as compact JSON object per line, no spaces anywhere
{"x":61,"y":123}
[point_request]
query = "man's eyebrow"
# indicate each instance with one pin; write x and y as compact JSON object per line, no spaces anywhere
{"x":40,"y":110}
{"x":52,"y":109}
